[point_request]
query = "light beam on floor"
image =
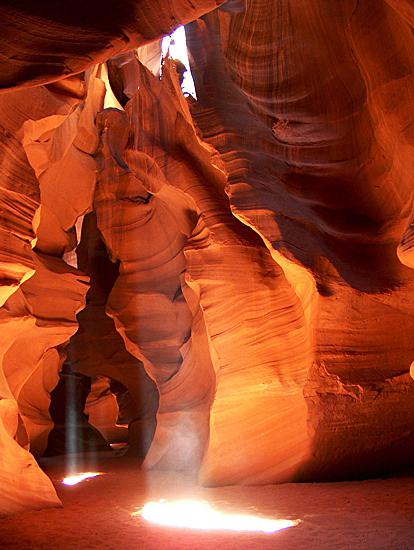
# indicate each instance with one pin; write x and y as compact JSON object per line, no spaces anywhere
{"x":77,"y":478}
{"x":200,"y":515}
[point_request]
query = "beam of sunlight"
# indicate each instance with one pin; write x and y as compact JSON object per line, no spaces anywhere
{"x":200,"y":515}
{"x":71,"y":423}
{"x":77,"y":478}
{"x":176,"y":46}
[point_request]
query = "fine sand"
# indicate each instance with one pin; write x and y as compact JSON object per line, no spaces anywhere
{"x":98,"y":513}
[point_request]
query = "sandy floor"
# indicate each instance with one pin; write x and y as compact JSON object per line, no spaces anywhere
{"x":96,"y":513}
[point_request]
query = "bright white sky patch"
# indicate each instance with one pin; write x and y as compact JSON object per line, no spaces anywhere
{"x":73,"y":480}
{"x":200,"y":515}
{"x":178,"y":50}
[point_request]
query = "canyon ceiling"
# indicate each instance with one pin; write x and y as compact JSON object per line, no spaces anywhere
{"x":241,"y":263}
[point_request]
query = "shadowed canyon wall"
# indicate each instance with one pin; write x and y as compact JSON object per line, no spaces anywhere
{"x":243,"y":266}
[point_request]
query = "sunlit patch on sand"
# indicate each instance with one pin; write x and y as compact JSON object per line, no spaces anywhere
{"x":200,"y":515}
{"x":75,"y":479}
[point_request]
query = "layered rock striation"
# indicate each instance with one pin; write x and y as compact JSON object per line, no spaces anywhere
{"x":243,"y":262}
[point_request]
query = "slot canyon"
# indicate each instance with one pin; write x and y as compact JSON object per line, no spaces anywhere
{"x":211,"y":293}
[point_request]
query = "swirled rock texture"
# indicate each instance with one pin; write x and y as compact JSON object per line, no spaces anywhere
{"x":248,"y":255}
{"x":37,"y":325}
{"x":310,"y":107}
{"x":259,"y":341}
{"x":46,"y":41}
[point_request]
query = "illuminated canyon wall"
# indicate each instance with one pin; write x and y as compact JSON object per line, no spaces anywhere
{"x":241,"y":264}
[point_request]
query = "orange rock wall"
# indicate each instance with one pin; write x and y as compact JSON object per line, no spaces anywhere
{"x":315,"y":131}
{"x":245,"y":262}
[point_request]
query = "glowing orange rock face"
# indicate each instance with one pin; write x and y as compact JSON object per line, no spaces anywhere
{"x":67,"y":40}
{"x":258,"y":359}
{"x":315,"y":130}
{"x":262,"y":312}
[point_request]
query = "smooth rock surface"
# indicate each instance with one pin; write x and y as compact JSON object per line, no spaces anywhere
{"x":240,"y":264}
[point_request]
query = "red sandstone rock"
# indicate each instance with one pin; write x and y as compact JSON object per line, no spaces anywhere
{"x":46,"y":40}
{"x":315,"y":131}
{"x":260,"y":296}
